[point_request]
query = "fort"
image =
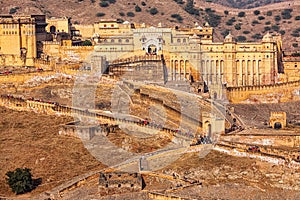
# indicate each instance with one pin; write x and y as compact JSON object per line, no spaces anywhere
{"x":190,"y":54}
{"x":171,"y":86}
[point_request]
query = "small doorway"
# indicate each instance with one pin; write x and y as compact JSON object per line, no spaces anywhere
{"x":52,"y":29}
{"x":277,"y":125}
{"x":152,"y":49}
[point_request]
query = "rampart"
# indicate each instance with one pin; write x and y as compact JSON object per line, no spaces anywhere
{"x":75,"y":53}
{"x":22,"y":78}
{"x":282,"y":153}
{"x":280,"y":92}
{"x":37,"y":105}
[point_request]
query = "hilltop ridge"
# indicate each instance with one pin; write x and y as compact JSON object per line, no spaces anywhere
{"x":249,"y":23}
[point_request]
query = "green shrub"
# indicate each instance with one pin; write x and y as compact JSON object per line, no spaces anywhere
{"x":143,"y":3}
{"x":230,"y":21}
{"x":256,"y":12}
{"x":257,"y":36}
{"x":282,"y":32}
{"x":237,"y":27}
{"x":213,"y":19}
{"x":177,"y":16}
{"x":295,"y":45}
{"x":261,"y":17}
{"x":189,"y":8}
{"x":20,"y":180}
{"x":275,"y":27}
{"x":286,"y":14}
{"x":179,"y":1}
{"x":112,"y":1}
{"x":137,"y":8}
{"x":122,"y":14}
{"x":297,"y":18}
{"x":153,"y":11}
{"x":226,"y":12}
{"x":100,"y":14}
{"x":13,"y":10}
{"x":246,"y":32}
{"x":268,"y":23}
{"x":104,"y":4}
{"x":241,"y":14}
{"x":269,"y":13}
{"x":130,"y":14}
{"x":241,"y":38}
{"x":267,"y":28}
{"x":255,"y":22}
{"x":87,"y":43}
{"x":277,"y":18}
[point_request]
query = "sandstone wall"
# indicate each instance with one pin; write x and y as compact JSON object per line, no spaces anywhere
{"x":283,"y":92}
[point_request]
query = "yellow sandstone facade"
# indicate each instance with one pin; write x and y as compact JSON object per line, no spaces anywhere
{"x":19,"y":36}
{"x":190,"y":53}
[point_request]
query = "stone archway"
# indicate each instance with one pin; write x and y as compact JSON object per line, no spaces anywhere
{"x":52,"y":29}
{"x":152,"y":49}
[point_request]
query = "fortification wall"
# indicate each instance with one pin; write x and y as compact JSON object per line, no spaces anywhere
{"x":68,"y":53}
{"x":22,"y":78}
{"x":282,"y":92}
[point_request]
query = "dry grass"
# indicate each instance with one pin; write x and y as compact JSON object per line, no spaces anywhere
{"x":31,"y":140}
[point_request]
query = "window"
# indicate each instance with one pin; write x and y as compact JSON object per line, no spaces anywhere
{"x":127,"y":40}
{"x":120,"y":40}
{"x":295,"y":65}
{"x":184,"y":41}
{"x":178,"y":40}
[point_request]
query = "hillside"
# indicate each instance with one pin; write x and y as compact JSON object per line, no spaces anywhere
{"x":245,"y":24}
{"x":246,"y":4}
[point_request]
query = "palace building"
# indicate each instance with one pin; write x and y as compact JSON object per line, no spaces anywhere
{"x":20,"y":37}
{"x":192,"y":54}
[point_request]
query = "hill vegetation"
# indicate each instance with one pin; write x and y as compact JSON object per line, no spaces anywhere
{"x":245,"y":24}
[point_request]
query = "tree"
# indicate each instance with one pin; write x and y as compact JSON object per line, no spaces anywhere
{"x":130,"y":14}
{"x":237,"y":26}
{"x":241,"y":38}
{"x":189,"y":8}
{"x":100,"y":14}
{"x":87,"y":43}
{"x":177,"y":16}
{"x":153,"y":11}
{"x":226,"y":12}
{"x":104,"y":4}
{"x":138,"y":9}
{"x":241,"y":14}
{"x":20,"y":180}
{"x":269,"y":13}
{"x":256,"y":12}
{"x":277,"y":18}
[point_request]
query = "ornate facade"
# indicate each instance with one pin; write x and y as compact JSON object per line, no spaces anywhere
{"x":191,"y":53}
{"x":19,"y":39}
